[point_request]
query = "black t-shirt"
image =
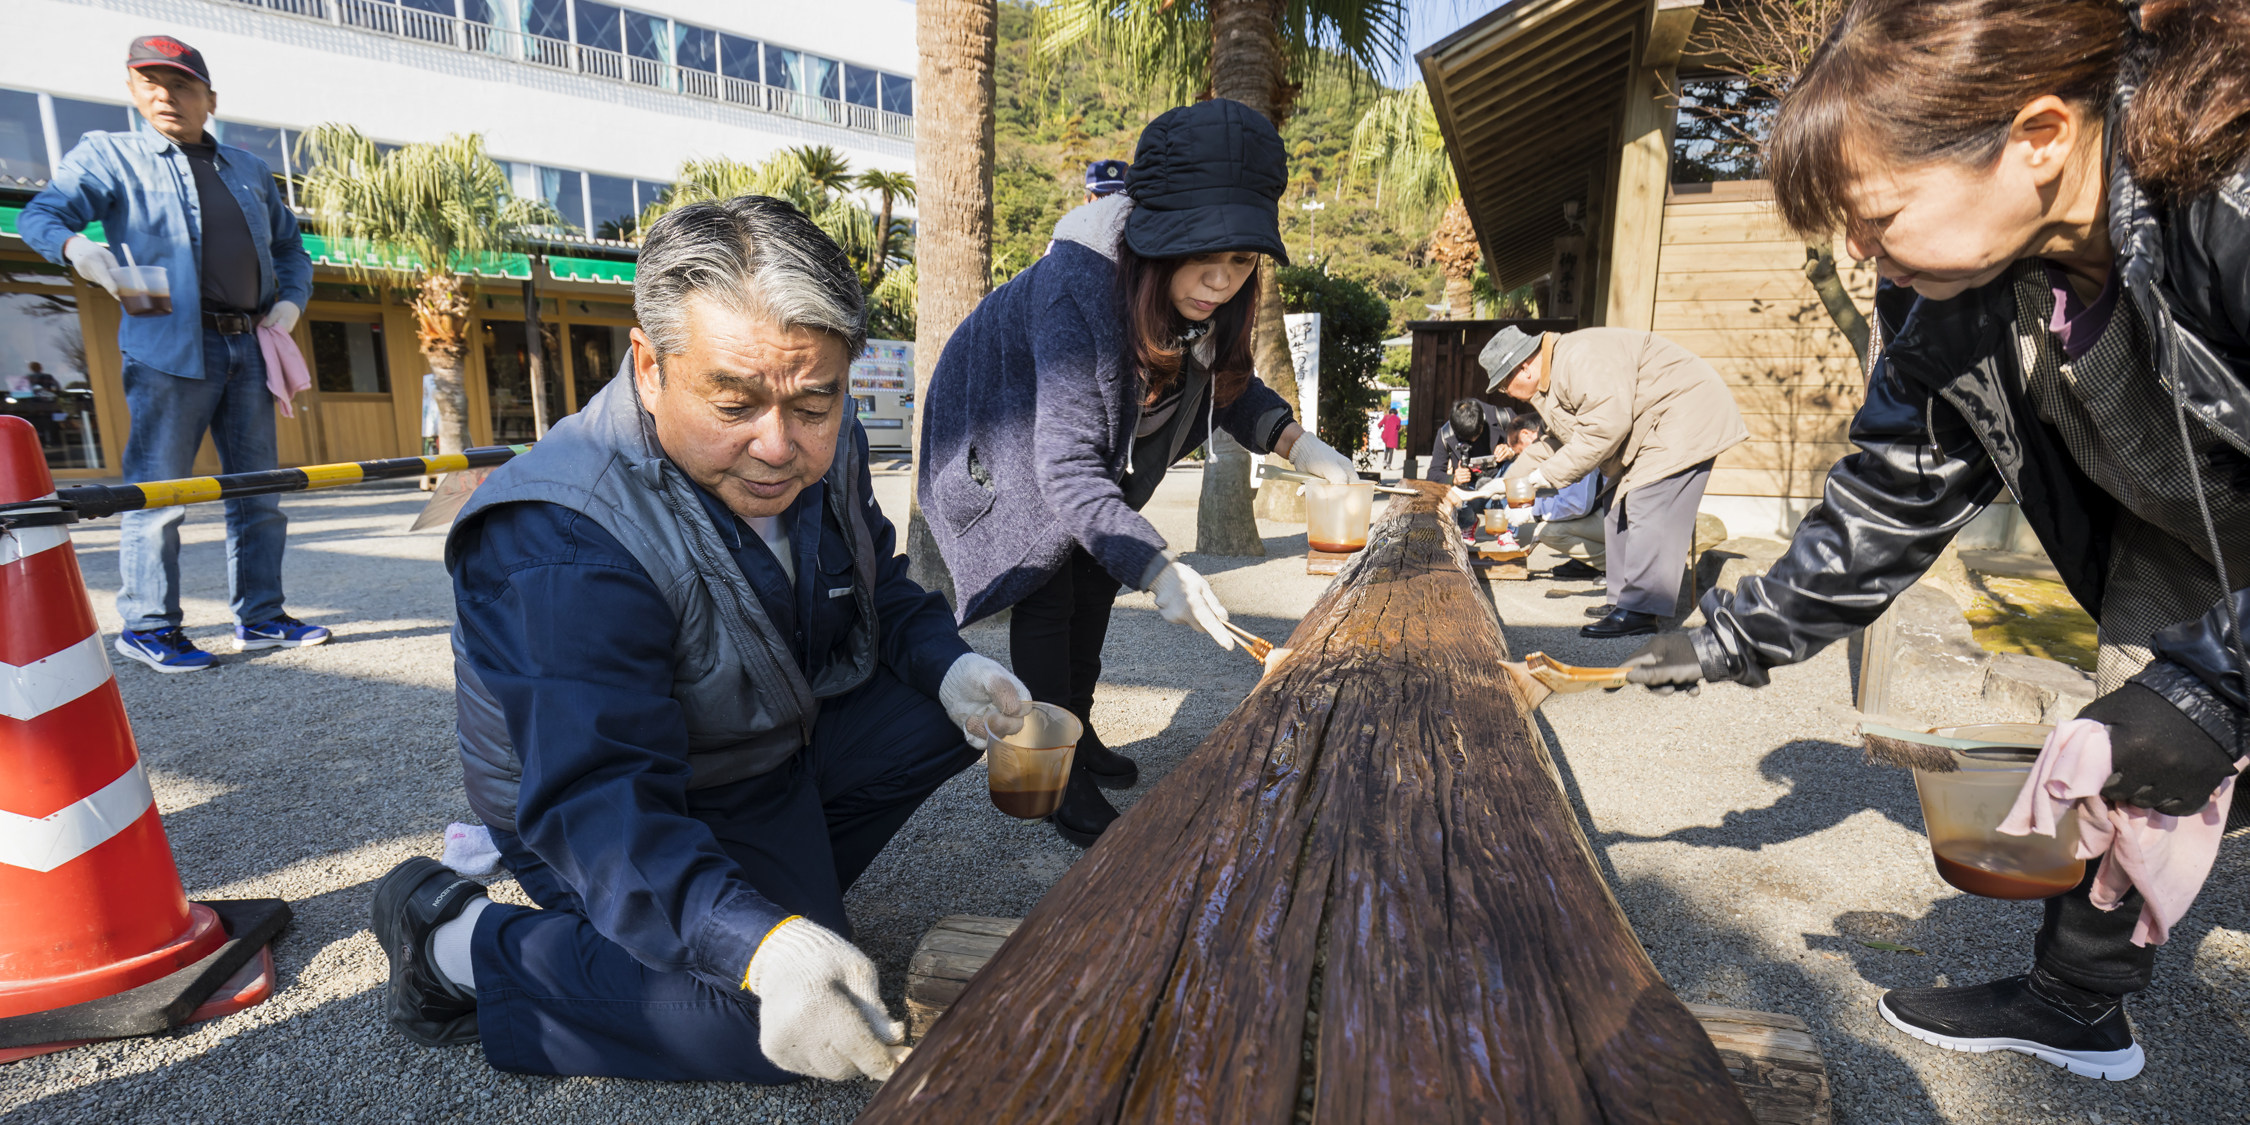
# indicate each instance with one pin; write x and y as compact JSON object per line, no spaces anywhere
{"x":230,"y":257}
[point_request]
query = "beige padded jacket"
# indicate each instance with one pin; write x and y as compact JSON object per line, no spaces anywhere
{"x":1632,"y":404}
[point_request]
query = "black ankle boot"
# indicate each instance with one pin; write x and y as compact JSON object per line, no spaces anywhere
{"x":1111,"y":769}
{"x":1085,"y":814}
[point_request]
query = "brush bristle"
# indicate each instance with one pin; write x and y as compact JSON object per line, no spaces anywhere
{"x":1887,"y":751}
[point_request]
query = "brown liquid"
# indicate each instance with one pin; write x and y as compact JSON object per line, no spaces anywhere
{"x":1519,"y":503}
{"x":146,"y":304}
{"x":1996,"y":870}
{"x":1028,"y":804}
{"x":1335,"y":548}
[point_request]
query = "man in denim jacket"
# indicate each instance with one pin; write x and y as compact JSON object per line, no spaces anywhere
{"x":210,"y":215}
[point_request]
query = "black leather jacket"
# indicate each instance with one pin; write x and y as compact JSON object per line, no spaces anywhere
{"x":1948,"y":424}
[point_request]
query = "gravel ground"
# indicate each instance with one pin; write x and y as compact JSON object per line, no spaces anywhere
{"x":1748,"y":844}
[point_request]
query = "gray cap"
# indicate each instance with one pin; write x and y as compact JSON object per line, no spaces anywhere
{"x":1507,"y":351}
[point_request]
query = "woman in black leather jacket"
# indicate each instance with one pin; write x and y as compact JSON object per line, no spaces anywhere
{"x":2056,"y":192}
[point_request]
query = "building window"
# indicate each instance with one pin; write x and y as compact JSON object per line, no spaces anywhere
{"x":612,"y":200}
{"x":264,"y":143}
{"x":861,"y":86}
{"x":508,"y":378}
{"x":600,"y":25}
{"x":548,"y":19}
{"x":74,"y":119}
{"x":23,"y":136}
{"x":562,"y":188}
{"x":646,"y":192}
{"x":1722,"y":126}
{"x":43,"y":377}
{"x":695,"y":48}
{"x":784,"y":68}
{"x":595,"y":352}
{"x":348,"y":357}
{"x":898,"y":95}
{"x":738,"y":58}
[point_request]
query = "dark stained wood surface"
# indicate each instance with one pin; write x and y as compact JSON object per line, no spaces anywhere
{"x":1363,"y":899}
{"x":1774,"y":1061}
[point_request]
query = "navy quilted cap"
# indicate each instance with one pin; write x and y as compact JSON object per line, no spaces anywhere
{"x":1207,"y":178}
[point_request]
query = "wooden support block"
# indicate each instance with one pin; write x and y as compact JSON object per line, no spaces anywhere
{"x":1776,"y":1064}
{"x":1495,"y":564}
{"x":1323,"y":563}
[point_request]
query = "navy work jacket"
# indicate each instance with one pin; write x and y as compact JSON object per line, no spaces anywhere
{"x":575,"y":642}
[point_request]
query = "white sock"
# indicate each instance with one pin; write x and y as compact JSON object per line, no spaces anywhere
{"x":449,"y":945}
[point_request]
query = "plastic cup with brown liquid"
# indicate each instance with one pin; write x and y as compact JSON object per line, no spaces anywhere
{"x":1028,"y":769}
{"x":1337,"y":515}
{"x":143,"y":290}
{"x":1521,"y":492}
{"x":1962,"y":811}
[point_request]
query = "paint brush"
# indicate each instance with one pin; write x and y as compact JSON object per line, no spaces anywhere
{"x":1258,"y":647}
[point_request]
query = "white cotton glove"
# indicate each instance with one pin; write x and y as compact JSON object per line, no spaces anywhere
{"x":282,"y":317}
{"x":1517,"y":517}
{"x":819,"y":1011}
{"x":92,"y":260}
{"x":984,"y":698}
{"x":1184,"y":598}
{"x":1539,"y":481}
{"x":1312,"y":455}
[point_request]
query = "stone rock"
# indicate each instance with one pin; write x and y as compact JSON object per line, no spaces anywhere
{"x":1710,"y":531}
{"x":1733,"y":560}
{"x":1935,"y":643}
{"x":2036,"y":689}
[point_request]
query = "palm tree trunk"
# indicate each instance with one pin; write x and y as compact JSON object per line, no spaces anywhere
{"x":959,"y":42}
{"x":535,"y":350}
{"x":882,"y":244}
{"x":1247,"y":65}
{"x":1454,"y":244}
{"x":1277,"y":369}
{"x":1460,"y":297}
{"x":441,"y":322}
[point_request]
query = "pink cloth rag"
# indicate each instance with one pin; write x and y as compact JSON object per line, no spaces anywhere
{"x":285,"y":368}
{"x":2167,"y":857}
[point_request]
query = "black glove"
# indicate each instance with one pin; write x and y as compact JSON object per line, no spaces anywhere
{"x":1667,"y":663}
{"x":2164,"y":761}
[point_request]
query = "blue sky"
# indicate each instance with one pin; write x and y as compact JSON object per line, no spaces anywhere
{"x":1429,"y":21}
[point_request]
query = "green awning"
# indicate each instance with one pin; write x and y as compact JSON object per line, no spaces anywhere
{"x":340,"y":254}
{"x":591,"y":269}
{"x":9,"y":215}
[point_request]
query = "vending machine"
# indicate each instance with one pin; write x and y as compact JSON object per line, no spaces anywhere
{"x":883,"y":388}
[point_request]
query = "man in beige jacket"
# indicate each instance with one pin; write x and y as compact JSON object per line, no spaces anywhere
{"x":1637,"y":407}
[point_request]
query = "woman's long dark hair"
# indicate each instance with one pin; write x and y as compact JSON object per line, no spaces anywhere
{"x":1923,"y":80}
{"x":1153,"y":327}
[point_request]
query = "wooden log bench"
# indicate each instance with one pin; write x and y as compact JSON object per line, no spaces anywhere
{"x":1775,"y":1063}
{"x":1364,"y":898}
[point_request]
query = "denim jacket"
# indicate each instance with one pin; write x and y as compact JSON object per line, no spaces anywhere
{"x":140,"y":188}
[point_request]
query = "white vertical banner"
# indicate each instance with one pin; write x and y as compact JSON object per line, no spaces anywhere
{"x":1303,"y":330}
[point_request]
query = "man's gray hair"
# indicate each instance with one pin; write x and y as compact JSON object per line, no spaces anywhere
{"x":755,"y":254}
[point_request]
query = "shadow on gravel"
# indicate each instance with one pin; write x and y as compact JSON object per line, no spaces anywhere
{"x":1829,"y":784}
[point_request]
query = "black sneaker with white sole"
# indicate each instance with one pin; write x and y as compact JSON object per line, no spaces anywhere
{"x":417,"y":897}
{"x":2034,"y":1014}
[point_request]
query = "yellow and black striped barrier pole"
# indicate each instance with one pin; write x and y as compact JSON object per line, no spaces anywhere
{"x":91,"y":502}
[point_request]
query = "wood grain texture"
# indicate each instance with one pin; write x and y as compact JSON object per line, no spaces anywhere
{"x":1364,"y":898}
{"x":1774,"y":1061}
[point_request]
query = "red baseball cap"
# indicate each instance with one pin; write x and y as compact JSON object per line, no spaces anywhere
{"x":163,"y":50}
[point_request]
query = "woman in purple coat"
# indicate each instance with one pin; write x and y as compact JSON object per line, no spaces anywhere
{"x":1060,"y":402}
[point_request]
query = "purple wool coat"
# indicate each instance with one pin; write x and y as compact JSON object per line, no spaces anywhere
{"x":1029,"y":425}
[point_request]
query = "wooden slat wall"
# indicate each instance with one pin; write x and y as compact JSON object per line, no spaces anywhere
{"x":1731,"y":288}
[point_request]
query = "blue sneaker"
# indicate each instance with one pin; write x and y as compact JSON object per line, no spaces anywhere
{"x":281,"y":632}
{"x":166,"y":650}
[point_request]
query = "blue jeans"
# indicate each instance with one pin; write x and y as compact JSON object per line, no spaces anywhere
{"x":169,"y":416}
{"x":556,"y":997}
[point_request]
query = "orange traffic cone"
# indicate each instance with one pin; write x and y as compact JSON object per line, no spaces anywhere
{"x":97,"y":938}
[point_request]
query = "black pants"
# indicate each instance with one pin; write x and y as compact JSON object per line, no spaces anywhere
{"x":2093,"y":948}
{"x":1055,"y":635}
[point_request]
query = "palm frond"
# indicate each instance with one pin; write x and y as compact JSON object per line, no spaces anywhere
{"x":419,"y":209}
{"x":1399,"y":137}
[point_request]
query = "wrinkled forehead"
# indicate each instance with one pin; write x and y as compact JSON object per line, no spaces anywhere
{"x":741,"y":348}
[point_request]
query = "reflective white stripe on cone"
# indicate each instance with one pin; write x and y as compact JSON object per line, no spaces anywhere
{"x":31,"y":690}
{"x":47,"y":842}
